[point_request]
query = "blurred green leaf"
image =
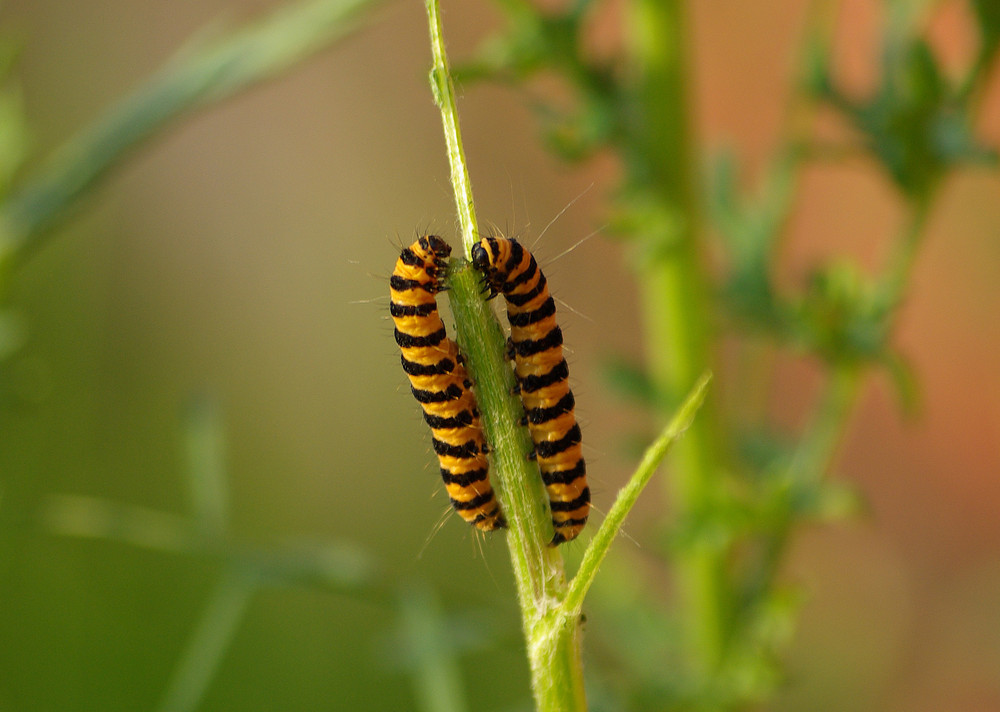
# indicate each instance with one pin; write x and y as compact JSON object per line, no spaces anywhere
{"x":631,"y":381}
{"x":576,"y":134}
{"x":916,"y":123}
{"x":96,"y":518}
{"x":904,"y":382}
{"x":815,"y":77}
{"x":14,"y":136}
{"x":751,"y":228}
{"x":988,"y":17}
{"x":204,"y":448}
{"x":753,"y":666}
{"x":834,"y":500}
{"x":762,"y":446}
{"x":723,"y":196}
{"x":197,"y":76}
{"x":536,"y":41}
{"x":902,"y":119}
{"x":207,"y":646}
{"x":424,"y":646}
{"x":839,"y":317}
{"x":642,"y":651}
{"x":337,"y":565}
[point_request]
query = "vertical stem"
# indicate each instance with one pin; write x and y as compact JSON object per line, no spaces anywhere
{"x":436,"y":674}
{"x":662,"y":172}
{"x":209,"y":642}
{"x":552,"y":641}
{"x":444,"y":97}
{"x":815,"y":452}
{"x":896,"y":273}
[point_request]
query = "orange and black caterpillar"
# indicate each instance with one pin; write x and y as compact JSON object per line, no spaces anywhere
{"x":440,"y":383}
{"x":542,"y":378}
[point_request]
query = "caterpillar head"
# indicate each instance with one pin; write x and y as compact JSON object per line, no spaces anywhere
{"x":486,"y":255}
{"x":436,"y":253}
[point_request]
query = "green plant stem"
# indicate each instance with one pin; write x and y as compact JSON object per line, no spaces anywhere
{"x":553,"y":644}
{"x":896,"y":274}
{"x":430,"y":654}
{"x":198,"y":76}
{"x":817,"y":449}
{"x":335,"y":565}
{"x":204,"y":446}
{"x":443,"y":89}
{"x":538,"y":569}
{"x":209,"y":642}
{"x":674,"y":296}
{"x":818,"y":446}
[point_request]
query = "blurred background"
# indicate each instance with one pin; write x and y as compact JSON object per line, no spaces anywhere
{"x":243,"y":258}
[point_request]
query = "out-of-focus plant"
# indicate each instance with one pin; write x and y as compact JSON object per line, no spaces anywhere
{"x":14,"y":142}
{"x":31,"y":207}
{"x":200,"y":76}
{"x":245,"y":569}
{"x":739,"y":487}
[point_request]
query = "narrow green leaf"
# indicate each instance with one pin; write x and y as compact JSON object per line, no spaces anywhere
{"x":206,"y":470}
{"x":628,"y":495}
{"x":198,"y":76}
{"x":988,"y":15}
{"x":95,"y":518}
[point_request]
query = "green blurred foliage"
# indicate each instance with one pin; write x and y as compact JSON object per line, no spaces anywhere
{"x":918,"y":125}
{"x":132,"y":573}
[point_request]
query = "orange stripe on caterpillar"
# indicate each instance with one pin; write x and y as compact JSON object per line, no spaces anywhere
{"x":542,"y":378}
{"x":440,"y":383}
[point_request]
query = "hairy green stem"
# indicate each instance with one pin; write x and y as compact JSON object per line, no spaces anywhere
{"x":661,"y":171}
{"x":444,"y":96}
{"x":553,"y":644}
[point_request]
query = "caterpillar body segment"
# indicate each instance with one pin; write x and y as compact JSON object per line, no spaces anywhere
{"x":440,"y":383}
{"x":535,"y":345}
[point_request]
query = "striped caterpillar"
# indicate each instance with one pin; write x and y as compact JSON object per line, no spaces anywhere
{"x":440,"y":383}
{"x":542,"y":377}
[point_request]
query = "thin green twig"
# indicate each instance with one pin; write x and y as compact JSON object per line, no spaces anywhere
{"x":817,"y":448}
{"x":204,"y":447}
{"x":443,"y":89}
{"x":629,"y":494}
{"x":429,"y":654}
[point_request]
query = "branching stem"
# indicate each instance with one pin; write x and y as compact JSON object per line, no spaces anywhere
{"x":550,"y":608}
